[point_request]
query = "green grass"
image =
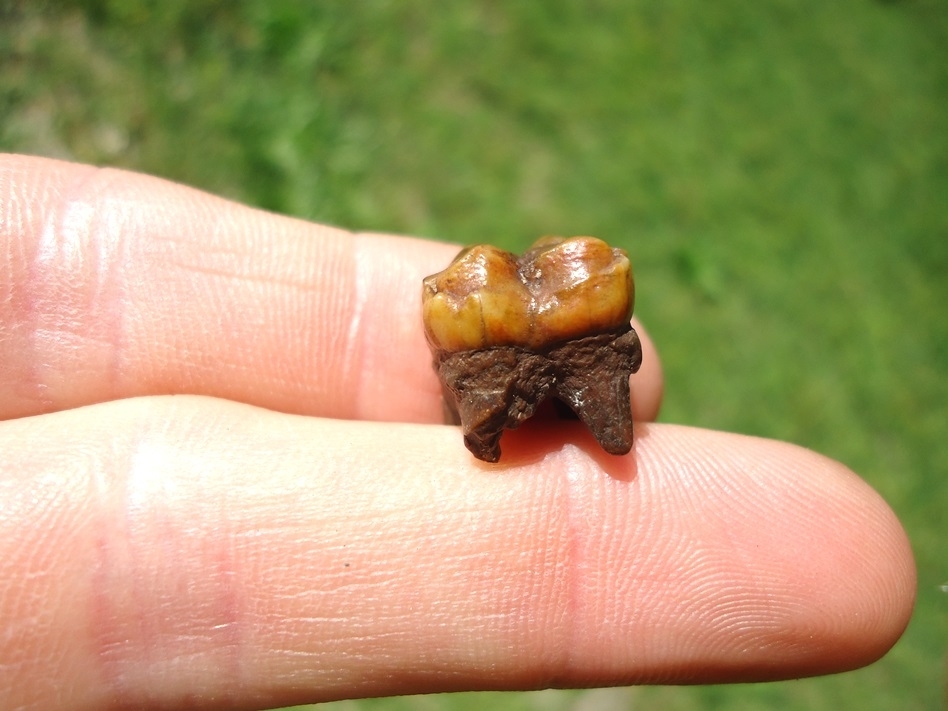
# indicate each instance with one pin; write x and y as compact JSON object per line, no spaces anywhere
{"x":778,"y":172}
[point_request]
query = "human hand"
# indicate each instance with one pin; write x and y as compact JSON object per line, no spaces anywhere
{"x":169,"y":535}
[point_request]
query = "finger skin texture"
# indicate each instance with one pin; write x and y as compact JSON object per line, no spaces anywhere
{"x":192,"y":552}
{"x":114,"y":284}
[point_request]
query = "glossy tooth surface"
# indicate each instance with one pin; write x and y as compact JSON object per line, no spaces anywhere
{"x":559,"y":289}
{"x":581,"y":286}
{"x":476,"y":302}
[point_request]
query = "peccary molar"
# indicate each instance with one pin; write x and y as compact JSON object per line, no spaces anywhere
{"x":509,"y":332}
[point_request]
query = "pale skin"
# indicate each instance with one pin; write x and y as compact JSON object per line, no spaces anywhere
{"x":224,"y":484}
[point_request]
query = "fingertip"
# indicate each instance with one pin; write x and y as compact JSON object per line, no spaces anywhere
{"x":875,"y":568}
{"x":738,"y":559}
{"x":648,"y":385}
{"x":843,"y":554}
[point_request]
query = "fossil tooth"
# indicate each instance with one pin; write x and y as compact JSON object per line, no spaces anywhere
{"x":508,"y":332}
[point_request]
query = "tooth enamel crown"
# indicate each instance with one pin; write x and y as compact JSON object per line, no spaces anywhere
{"x":559,"y":289}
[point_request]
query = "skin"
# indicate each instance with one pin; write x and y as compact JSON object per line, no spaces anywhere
{"x":223,"y":485}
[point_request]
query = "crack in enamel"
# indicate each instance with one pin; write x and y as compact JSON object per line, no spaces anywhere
{"x":508,"y":333}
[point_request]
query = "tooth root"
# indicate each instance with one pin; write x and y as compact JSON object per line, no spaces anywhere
{"x":496,"y":389}
{"x":493,"y":390}
{"x":595,"y":383}
{"x":605,"y":410}
{"x":485,"y":447}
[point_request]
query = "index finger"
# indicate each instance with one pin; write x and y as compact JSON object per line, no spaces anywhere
{"x":118,"y":284}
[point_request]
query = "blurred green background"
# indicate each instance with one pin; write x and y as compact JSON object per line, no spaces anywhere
{"x":778,"y":172}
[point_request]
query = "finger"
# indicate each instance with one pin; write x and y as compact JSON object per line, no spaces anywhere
{"x":162,"y":550}
{"x":117,"y":284}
